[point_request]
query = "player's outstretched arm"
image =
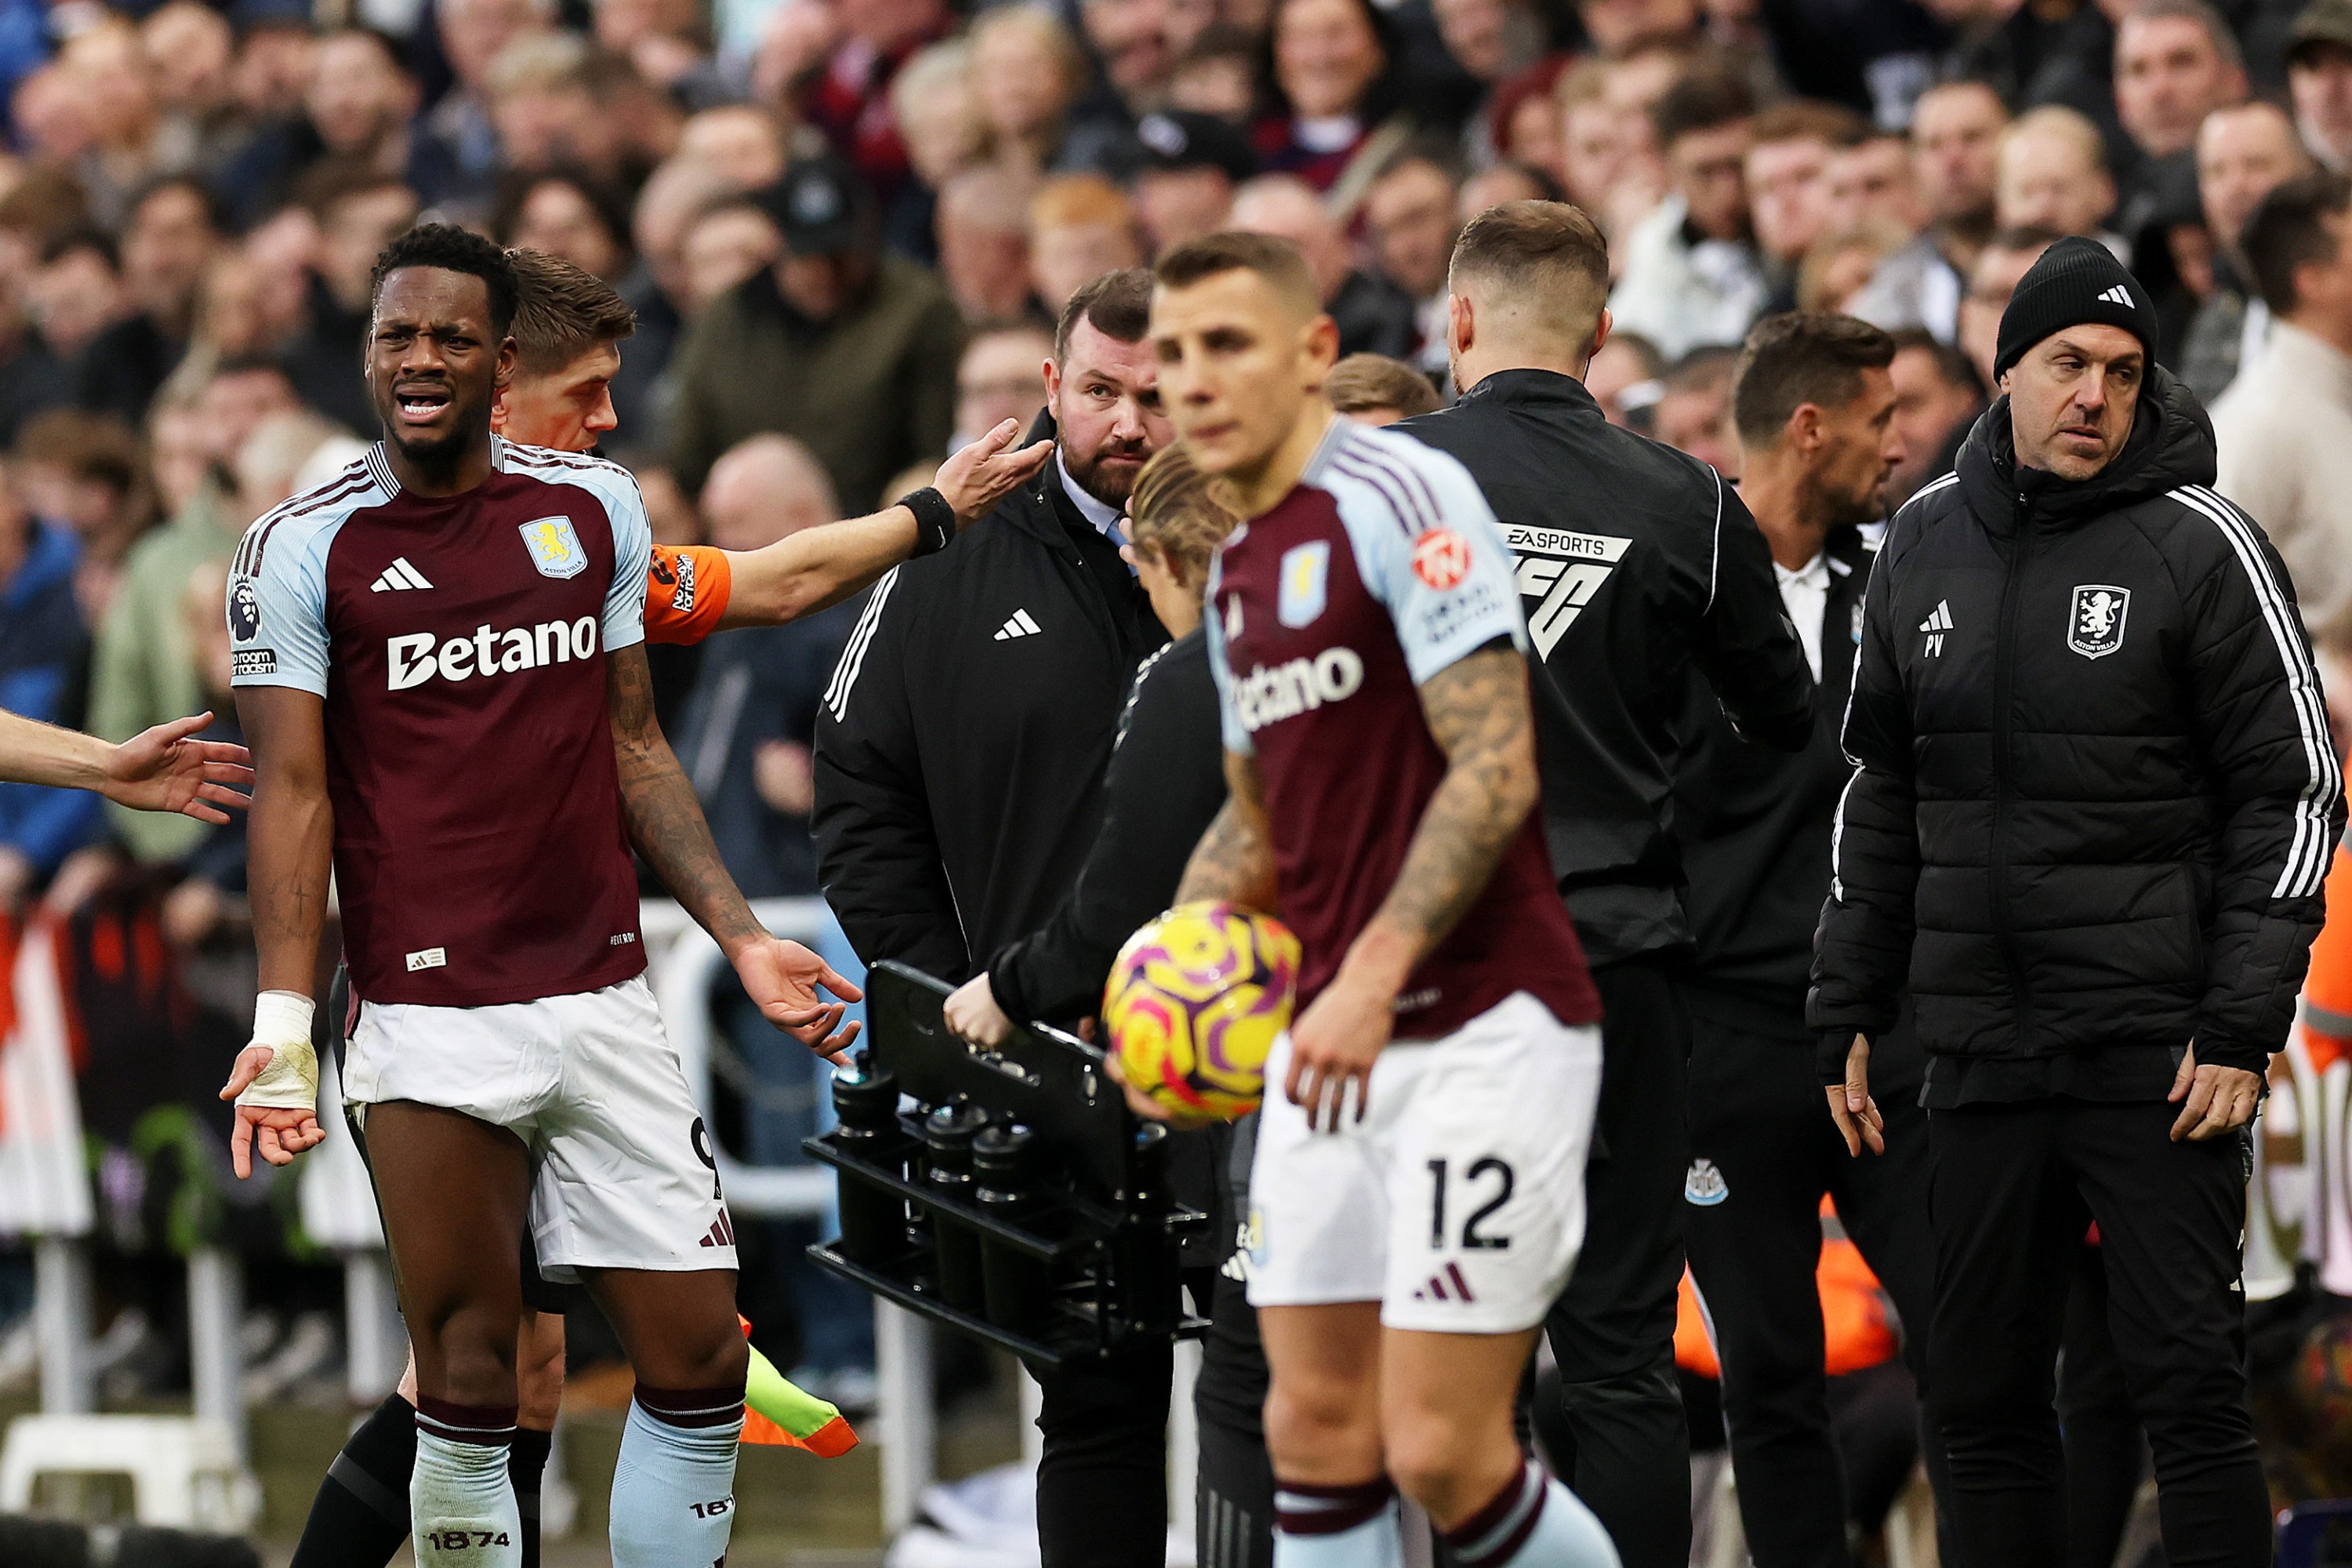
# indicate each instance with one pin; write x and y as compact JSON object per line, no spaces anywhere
{"x":1477,"y":709}
{"x":288,"y":852}
{"x":821,"y":567}
{"x":164,"y":769}
{"x":1233,"y":862}
{"x":667,"y":824}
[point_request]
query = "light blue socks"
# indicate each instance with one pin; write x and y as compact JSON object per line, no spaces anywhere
{"x":1533,"y":1522}
{"x":674,"y":1490}
{"x":459,"y":1497}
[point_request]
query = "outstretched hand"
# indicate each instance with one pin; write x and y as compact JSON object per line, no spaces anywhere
{"x":167,"y":769}
{"x":782,"y":978}
{"x":979,"y":475}
{"x":280,"y":1132}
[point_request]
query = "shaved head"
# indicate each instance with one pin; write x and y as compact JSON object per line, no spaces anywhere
{"x":1543,"y":265}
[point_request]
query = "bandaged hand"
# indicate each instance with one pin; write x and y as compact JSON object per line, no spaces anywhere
{"x":275,"y":1084}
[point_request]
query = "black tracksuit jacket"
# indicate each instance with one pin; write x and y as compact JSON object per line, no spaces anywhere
{"x":1754,"y":826}
{"x":961,"y":742}
{"x":1634,"y":562}
{"x":1164,"y":786}
{"x":2097,"y":796}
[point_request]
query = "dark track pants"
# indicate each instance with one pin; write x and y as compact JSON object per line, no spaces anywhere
{"x":1612,"y":1329}
{"x":1759,"y":1116}
{"x":2104,"y":1449}
{"x":1102,"y":1479}
{"x":2014,"y":1186}
{"x":1234,"y":1508}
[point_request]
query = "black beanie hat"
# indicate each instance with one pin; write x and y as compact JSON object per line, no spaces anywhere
{"x":2076,"y":281}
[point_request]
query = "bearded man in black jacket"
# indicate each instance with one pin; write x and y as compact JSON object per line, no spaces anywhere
{"x":960,"y":757}
{"x":2095,"y":802}
{"x":1814,"y":399}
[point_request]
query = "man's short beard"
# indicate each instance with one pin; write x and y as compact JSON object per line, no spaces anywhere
{"x":1835,"y":510}
{"x":1111,"y":488}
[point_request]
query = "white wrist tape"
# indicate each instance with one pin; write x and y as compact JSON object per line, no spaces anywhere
{"x":282,"y":1020}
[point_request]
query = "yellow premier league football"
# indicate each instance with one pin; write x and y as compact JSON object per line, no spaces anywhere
{"x":1195,"y":1002}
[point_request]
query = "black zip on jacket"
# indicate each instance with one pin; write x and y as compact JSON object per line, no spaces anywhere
{"x":2095,"y":794}
{"x":1164,"y":786}
{"x":1634,"y":562}
{"x":961,"y":741}
{"x":1754,"y":826}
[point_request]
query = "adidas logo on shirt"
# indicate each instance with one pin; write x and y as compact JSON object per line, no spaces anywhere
{"x":1020,"y":625}
{"x":1935,"y":626}
{"x":398,"y":576}
{"x":2118,"y":295}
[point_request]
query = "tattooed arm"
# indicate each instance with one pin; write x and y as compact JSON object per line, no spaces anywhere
{"x":1477,"y":709}
{"x":1233,"y":862}
{"x":667,"y":824}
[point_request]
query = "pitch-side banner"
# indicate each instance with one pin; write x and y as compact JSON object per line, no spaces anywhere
{"x":43,"y":1175}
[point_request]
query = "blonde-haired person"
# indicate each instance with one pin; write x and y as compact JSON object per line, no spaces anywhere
{"x":1164,"y":785}
{"x":1373,"y":389}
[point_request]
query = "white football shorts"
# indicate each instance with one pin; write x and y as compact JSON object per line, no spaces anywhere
{"x":1458,"y":1202}
{"x":623,"y":1171}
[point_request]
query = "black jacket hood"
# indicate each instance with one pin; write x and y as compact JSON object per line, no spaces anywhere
{"x":2171,"y":445}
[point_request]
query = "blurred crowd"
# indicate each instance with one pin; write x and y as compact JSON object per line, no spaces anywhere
{"x":845,"y":227}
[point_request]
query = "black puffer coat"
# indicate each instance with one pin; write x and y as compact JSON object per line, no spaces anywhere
{"x":2097,"y":796}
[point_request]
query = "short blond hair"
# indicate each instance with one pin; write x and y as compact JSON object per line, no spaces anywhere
{"x":1362,"y":383}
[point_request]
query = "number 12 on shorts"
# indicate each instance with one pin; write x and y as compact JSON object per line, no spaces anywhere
{"x":1474,"y":1180}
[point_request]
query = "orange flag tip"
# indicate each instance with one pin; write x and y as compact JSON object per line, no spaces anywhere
{"x":829,"y":1441}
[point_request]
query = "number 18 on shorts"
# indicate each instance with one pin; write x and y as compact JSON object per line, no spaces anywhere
{"x":1458,"y":1202}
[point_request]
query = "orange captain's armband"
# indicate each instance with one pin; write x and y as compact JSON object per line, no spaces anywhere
{"x":686,"y":593}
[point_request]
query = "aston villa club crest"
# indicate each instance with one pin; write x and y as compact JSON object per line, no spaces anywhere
{"x":554,"y":548}
{"x":2097,"y":628}
{"x":1306,"y":584}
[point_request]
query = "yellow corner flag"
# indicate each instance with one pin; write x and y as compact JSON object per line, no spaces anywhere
{"x":778,"y":1413}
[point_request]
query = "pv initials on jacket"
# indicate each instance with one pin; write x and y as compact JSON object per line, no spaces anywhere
{"x":1561,"y":572}
{"x":1935,"y":626}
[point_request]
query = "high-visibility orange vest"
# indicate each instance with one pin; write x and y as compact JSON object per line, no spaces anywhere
{"x":2327,"y":989}
{"x":1856,"y":1330}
